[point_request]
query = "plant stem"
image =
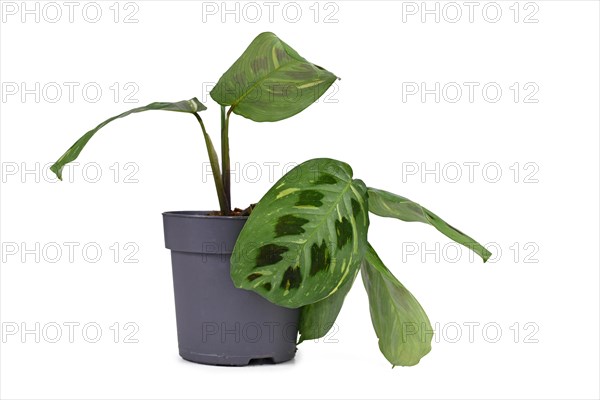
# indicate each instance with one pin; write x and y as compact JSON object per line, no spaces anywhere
{"x":214,"y":166}
{"x":226,"y":168}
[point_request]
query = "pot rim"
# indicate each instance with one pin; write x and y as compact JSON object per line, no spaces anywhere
{"x":201,"y":215}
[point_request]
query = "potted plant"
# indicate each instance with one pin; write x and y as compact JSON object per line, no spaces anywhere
{"x":247,"y":281}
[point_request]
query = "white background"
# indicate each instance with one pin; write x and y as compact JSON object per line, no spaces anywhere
{"x":543,"y":227}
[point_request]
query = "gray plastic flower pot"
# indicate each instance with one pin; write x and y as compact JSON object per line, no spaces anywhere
{"x":217,"y":323}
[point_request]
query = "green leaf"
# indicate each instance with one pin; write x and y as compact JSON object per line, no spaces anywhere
{"x":317,"y":319}
{"x":403,"y":329}
{"x":306,"y":236}
{"x":386,"y":204}
{"x":271,"y":81}
{"x":187,"y":106}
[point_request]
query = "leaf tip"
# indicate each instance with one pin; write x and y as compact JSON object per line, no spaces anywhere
{"x":57,"y":171}
{"x":266,"y":33}
{"x":486,"y":255}
{"x":197,"y":105}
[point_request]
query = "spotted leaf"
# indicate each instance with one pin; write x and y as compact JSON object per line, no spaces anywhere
{"x":306,"y":237}
{"x":271,"y":81}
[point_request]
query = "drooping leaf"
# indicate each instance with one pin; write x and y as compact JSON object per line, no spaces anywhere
{"x":187,"y":106}
{"x":386,"y":204}
{"x":306,"y":236}
{"x":403,"y":328}
{"x":271,"y":81}
{"x":316,"y":319}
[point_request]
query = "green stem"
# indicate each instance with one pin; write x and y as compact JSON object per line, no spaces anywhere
{"x":226,"y":167}
{"x":214,"y":165}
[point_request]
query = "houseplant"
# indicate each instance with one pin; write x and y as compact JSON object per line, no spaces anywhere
{"x":298,"y":250}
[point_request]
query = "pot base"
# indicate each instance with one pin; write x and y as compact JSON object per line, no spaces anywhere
{"x":234,"y":361}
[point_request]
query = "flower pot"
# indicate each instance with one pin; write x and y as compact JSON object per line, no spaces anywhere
{"x":217,"y":323}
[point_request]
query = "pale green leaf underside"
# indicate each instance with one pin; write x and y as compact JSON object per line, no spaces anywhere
{"x":187,"y":106}
{"x":306,"y":236}
{"x":317,"y":319}
{"x":271,"y":81}
{"x":403,"y":328}
{"x":386,"y":204}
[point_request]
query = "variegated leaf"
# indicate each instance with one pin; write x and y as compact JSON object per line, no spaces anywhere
{"x":271,"y":81}
{"x":306,"y":237}
{"x":317,"y":319}
{"x":403,"y":328}
{"x":386,"y":204}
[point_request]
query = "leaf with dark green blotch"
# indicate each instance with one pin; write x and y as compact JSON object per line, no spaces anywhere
{"x":289,"y":225}
{"x":267,"y":286}
{"x":271,"y":81}
{"x":386,"y":204}
{"x":292,"y":277}
{"x":317,"y":319}
{"x":325,"y":179}
{"x":320,"y":259}
{"x":401,"y":324}
{"x":343,"y":229}
{"x":269,"y":254}
{"x":253,"y":276}
{"x":186,"y":106}
{"x":355,"y":207}
{"x":322,"y":266}
{"x":310,"y":198}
